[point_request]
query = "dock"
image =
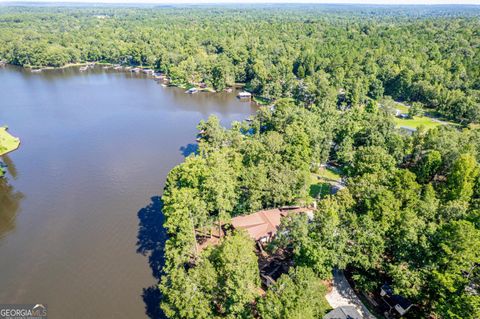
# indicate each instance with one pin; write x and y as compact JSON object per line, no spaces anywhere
{"x":244,"y":95}
{"x":191,"y":91}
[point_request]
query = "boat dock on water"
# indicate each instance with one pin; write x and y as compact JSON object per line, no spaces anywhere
{"x":244,"y":95}
{"x":191,"y":91}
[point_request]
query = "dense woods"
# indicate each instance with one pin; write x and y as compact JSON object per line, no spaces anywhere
{"x":410,"y":212}
{"x":310,"y":53}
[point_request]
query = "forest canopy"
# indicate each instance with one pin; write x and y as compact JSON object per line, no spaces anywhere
{"x":311,"y":53}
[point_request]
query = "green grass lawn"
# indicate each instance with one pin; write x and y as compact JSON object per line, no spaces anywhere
{"x":261,"y":100}
{"x":320,"y":190}
{"x":8,"y":143}
{"x":329,"y":173}
{"x":416,"y":122}
{"x":321,"y":182}
{"x":402,"y":107}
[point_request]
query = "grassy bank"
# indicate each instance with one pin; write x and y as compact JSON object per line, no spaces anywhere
{"x":8,"y":143}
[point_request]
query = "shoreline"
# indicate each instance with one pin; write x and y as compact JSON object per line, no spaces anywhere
{"x":154,"y":74}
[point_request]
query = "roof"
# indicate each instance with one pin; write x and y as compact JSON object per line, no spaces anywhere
{"x":393,"y":299}
{"x":265,"y":222}
{"x":401,"y":301}
{"x":344,"y":312}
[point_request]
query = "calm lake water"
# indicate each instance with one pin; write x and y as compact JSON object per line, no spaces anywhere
{"x":79,"y":210}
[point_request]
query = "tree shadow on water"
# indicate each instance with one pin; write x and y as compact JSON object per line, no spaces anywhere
{"x":151,"y":242}
{"x":189,"y":149}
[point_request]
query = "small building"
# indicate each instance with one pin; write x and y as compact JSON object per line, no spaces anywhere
{"x":397,"y":302}
{"x":244,"y":95}
{"x":262,"y":225}
{"x":343,"y":312}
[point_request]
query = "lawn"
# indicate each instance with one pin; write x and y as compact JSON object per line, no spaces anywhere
{"x":416,"y":122}
{"x":329,"y":173}
{"x":321,"y":182}
{"x":402,"y":107}
{"x":261,"y":100}
{"x":8,"y":143}
{"x":320,"y":190}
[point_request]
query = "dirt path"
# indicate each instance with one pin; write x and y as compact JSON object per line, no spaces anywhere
{"x":343,"y":295}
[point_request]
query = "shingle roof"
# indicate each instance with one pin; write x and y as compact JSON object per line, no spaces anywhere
{"x":344,"y":312}
{"x":263,"y":223}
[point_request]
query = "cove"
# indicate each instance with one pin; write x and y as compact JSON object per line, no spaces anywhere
{"x":80,"y":204}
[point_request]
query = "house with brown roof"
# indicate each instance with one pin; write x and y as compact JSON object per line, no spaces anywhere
{"x":262,"y":225}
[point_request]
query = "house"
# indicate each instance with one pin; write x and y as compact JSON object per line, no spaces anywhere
{"x":244,"y":95}
{"x":343,"y":312}
{"x":262,"y":225}
{"x":397,"y":302}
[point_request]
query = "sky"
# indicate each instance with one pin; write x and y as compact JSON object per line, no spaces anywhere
{"x":266,"y":1}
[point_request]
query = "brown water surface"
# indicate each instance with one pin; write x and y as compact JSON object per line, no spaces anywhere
{"x":80,"y":202}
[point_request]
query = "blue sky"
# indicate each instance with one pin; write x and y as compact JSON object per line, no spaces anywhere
{"x":266,"y":1}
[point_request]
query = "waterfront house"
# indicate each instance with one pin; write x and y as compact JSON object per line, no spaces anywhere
{"x":262,"y":225}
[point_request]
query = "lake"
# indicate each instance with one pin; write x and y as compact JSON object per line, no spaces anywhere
{"x":79,"y":210}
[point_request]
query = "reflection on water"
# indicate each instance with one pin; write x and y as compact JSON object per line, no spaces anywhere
{"x":11,"y":169}
{"x":188,"y":149}
{"x":96,"y":146}
{"x":9,"y":204}
{"x":151,"y":242}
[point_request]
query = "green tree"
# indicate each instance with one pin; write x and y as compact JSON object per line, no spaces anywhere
{"x":298,"y":295}
{"x":456,"y":271}
{"x":461,"y":180}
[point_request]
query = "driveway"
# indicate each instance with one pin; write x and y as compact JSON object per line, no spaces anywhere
{"x":343,"y":295}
